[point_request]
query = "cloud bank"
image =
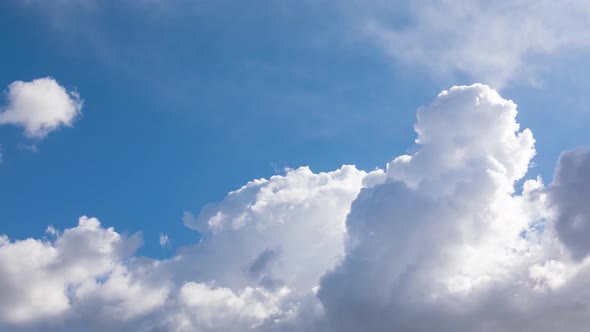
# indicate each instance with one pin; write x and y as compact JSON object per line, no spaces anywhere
{"x":40,"y":107}
{"x":443,"y":239}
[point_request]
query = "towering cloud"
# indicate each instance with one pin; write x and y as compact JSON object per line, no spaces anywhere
{"x":444,"y":233}
{"x":441,"y":240}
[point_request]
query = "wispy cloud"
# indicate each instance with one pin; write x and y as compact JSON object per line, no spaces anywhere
{"x":496,"y":42}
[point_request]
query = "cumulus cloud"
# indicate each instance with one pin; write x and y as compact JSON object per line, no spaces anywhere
{"x":444,"y":243}
{"x":266,"y":221}
{"x":249,"y":268}
{"x":442,"y":234}
{"x":493,"y":42}
{"x":439,"y":240}
{"x":40,"y":107}
{"x":44,"y":281}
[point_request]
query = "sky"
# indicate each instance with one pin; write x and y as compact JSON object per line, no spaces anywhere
{"x":294,"y":166}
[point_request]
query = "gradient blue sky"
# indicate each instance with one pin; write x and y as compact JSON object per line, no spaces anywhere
{"x":185,"y":101}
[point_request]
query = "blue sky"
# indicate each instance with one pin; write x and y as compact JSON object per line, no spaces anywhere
{"x":186,"y":101}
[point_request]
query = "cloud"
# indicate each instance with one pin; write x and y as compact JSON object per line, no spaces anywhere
{"x":40,"y":107}
{"x":44,"y":281}
{"x":439,"y":240}
{"x":221,"y":309}
{"x":256,"y":232}
{"x":569,"y":192}
{"x":266,"y":221}
{"x":446,"y":237}
{"x":164,"y":240}
{"x":493,"y":42}
{"x":441,"y":235}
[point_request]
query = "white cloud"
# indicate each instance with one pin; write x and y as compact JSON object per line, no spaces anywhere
{"x":494,"y":42}
{"x":250,"y":266}
{"x":221,"y":309}
{"x":266,"y":221}
{"x":446,"y":237}
{"x":164,"y":240}
{"x":40,"y":279}
{"x":440,"y":234}
{"x":40,"y":107}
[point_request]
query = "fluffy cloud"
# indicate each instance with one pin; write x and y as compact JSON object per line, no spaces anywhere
{"x":46,"y":281}
{"x":220,"y":309}
{"x":257,"y":232}
{"x":443,"y":232}
{"x":491,"y":42}
{"x":266,"y":221}
{"x":40,"y":106}
{"x":446,"y":237}
{"x":439,"y":240}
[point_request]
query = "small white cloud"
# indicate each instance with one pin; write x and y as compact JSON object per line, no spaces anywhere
{"x":40,"y":107}
{"x":164,"y":240}
{"x":51,"y":230}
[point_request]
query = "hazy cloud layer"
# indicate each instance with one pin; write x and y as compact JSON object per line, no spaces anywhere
{"x":494,"y":42}
{"x":439,"y":240}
